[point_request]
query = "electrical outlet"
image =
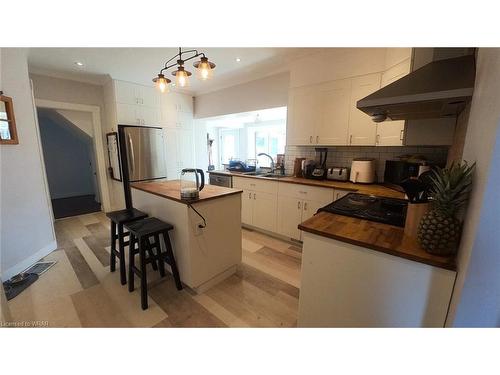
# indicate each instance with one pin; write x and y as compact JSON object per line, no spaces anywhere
{"x":198,"y":230}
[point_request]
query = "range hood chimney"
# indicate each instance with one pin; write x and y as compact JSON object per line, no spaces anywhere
{"x":439,"y":89}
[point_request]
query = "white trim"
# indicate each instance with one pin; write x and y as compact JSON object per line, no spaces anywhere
{"x":26,"y":263}
{"x":98,"y":141}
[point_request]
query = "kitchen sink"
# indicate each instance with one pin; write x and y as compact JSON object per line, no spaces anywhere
{"x":254,"y":173}
{"x":272,"y":175}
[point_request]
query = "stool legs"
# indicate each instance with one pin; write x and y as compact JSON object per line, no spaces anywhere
{"x":171,"y":258}
{"x":112,"y":259}
{"x":151,"y":254}
{"x":121,"y":250}
{"x":131,"y":263}
{"x":161,"y":261}
{"x":144,"y":282}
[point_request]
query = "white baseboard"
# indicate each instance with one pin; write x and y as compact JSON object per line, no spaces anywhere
{"x":21,"y":266}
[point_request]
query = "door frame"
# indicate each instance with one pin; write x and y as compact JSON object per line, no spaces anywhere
{"x":97,"y":141}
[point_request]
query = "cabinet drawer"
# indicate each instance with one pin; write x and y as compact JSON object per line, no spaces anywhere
{"x":305,"y":192}
{"x":255,"y":184}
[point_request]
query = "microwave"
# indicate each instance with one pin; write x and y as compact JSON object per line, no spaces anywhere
{"x":396,"y":171}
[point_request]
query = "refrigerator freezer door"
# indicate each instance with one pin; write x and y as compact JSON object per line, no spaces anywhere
{"x":145,"y":153}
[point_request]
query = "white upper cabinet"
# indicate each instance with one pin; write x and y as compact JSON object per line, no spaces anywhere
{"x":362,"y":130}
{"x":391,"y":133}
{"x":303,"y":115}
{"x":176,"y":110}
{"x":131,"y":93}
{"x":333,"y":126}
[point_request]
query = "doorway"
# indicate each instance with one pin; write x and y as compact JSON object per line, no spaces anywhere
{"x":70,"y":161}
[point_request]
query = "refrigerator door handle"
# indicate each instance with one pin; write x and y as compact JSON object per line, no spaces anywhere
{"x":132,"y":154}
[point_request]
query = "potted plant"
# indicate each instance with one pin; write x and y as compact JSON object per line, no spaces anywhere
{"x":440,"y":228}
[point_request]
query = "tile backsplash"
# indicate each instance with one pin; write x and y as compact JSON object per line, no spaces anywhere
{"x":341,"y":156}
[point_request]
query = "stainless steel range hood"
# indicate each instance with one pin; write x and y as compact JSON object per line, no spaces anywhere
{"x":438,"y":89}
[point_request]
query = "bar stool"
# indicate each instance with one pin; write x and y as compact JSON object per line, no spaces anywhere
{"x":118,"y":219}
{"x":141,"y":233}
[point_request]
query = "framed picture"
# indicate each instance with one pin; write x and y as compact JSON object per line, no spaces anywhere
{"x":115,"y":168}
{"x":8,"y":132}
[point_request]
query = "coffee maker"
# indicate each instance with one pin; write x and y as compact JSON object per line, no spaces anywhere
{"x":313,"y":169}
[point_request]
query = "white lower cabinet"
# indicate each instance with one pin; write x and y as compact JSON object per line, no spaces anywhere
{"x":289,"y":216}
{"x":264,"y":211}
{"x":338,"y":193}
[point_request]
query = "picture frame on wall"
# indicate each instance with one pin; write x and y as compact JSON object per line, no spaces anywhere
{"x":115,"y":167}
{"x":8,"y":131}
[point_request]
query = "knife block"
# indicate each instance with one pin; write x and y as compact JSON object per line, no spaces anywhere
{"x":414,"y":214}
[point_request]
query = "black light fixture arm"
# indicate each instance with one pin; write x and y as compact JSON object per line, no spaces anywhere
{"x":180,"y":60}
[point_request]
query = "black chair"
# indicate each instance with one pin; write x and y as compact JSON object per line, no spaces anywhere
{"x":118,"y":219}
{"x":146,"y":234}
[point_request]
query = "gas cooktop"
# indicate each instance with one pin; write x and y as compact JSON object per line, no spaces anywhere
{"x":369,"y":207}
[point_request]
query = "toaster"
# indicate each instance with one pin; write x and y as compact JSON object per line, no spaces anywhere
{"x":337,"y":174}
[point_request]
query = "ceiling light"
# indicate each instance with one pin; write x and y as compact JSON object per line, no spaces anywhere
{"x":79,"y":63}
{"x":161,"y":82}
{"x":238,"y":59}
{"x":204,"y":69}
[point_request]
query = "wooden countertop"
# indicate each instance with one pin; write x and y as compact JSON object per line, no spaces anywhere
{"x":376,"y":236}
{"x":171,"y":190}
{"x":372,"y":189}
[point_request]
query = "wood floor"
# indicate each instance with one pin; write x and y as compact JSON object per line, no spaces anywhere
{"x":79,"y":291}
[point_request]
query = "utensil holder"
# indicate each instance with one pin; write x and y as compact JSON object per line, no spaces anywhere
{"x":414,"y":214}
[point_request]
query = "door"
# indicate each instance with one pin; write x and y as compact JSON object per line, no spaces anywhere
{"x":333,"y":128}
{"x":264,"y":211}
{"x":362,"y":130}
{"x":247,"y":207}
{"x":303,"y":116}
{"x":289,"y":216}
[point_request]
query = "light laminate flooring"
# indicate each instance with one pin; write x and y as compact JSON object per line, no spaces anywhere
{"x":80,"y":291}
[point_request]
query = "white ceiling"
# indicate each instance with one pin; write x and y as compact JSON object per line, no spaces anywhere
{"x":140,"y":65}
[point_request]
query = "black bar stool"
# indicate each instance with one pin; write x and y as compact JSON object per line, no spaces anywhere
{"x":118,"y":219}
{"x":141,"y":232}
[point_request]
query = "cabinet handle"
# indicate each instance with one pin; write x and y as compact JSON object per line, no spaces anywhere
{"x":378,"y":138}
{"x":350,"y":139}
{"x":138,"y":121}
{"x":317,"y":139}
{"x":311,"y":139}
{"x":401,"y":134}
{"x":303,"y":192}
{"x":249,"y":195}
{"x":305,"y":206}
{"x":298,"y":205}
{"x":254,"y":196}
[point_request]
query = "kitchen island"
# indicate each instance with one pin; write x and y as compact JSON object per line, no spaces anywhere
{"x":205,"y":255}
{"x":360,"y":273}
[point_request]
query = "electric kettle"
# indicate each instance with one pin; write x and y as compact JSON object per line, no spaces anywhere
{"x":192,"y":182}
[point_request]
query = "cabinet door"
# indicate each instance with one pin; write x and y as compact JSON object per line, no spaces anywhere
{"x":334,"y":123}
{"x":264,"y":211}
{"x":148,"y":115}
{"x":362,"y":130}
{"x":289,"y":216}
{"x":185,"y":144}
{"x":184,"y":103}
{"x":126,"y":92}
{"x":185,"y":120}
{"x":149,"y":96}
{"x":391,"y":133}
{"x":127,"y":114}
{"x":171,"y":154}
{"x":247,"y":202}
{"x":303,"y":116}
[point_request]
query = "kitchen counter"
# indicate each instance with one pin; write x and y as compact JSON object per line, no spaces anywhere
{"x":171,"y":190}
{"x":372,"y":235}
{"x":372,"y":189}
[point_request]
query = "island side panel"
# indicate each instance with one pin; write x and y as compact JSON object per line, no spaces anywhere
{"x":204,"y":256}
{"x":344,"y":285}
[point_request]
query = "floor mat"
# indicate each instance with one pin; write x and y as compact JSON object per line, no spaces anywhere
{"x":73,"y":206}
{"x":14,"y":289}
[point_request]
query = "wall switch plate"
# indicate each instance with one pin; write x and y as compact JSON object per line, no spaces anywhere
{"x":197,"y":230}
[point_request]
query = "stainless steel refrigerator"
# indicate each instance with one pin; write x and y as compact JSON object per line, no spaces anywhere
{"x":145,"y":152}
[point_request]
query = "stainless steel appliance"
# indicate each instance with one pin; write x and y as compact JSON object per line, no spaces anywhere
{"x":221,"y":180}
{"x":316,"y":170}
{"x":369,"y":207}
{"x":192,"y":182}
{"x":397,"y":171}
{"x":337,"y":174}
{"x":145,"y":150}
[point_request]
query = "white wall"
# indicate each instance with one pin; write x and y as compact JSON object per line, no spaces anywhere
{"x":476,"y":299}
{"x":27,"y":232}
{"x":269,"y":92}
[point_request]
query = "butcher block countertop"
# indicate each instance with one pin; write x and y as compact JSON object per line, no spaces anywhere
{"x":376,"y":236}
{"x":372,"y":189}
{"x":171,"y":190}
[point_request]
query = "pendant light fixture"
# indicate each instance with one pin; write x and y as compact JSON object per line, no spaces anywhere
{"x":204,"y":69}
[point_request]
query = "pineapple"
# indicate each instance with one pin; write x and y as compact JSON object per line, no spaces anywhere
{"x":439,"y":229}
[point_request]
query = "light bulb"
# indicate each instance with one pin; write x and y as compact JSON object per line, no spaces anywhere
{"x":161,"y":83}
{"x":204,"y":69}
{"x":181,"y":78}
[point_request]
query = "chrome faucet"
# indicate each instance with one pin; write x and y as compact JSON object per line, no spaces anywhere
{"x":270,"y":158}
